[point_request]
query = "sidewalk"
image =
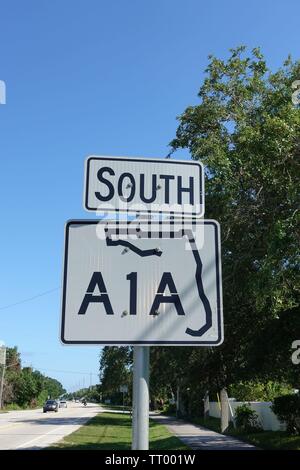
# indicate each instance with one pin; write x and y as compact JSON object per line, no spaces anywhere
{"x":199,"y":438}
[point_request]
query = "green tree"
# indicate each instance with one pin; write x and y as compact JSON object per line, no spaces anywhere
{"x":25,"y":386}
{"x":13,"y":359}
{"x":53,"y":387}
{"x":13,"y":368}
{"x":115,"y":370}
{"x":246,"y":131}
{"x":254,"y":390}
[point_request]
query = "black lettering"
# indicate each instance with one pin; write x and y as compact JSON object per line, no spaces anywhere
{"x":181,"y":190}
{"x":160,"y":298}
{"x":106,"y":182}
{"x":142,"y":189}
{"x":132,"y":187}
{"x":96,"y":281}
{"x":167,"y":179}
{"x":132,"y":277}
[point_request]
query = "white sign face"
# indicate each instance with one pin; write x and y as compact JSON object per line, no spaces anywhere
{"x":123,"y":389}
{"x":141,"y":185}
{"x":127,"y":285}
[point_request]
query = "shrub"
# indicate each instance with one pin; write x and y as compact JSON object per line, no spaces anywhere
{"x":13,"y":406}
{"x":287,"y":409}
{"x":254,"y":390}
{"x":169,"y":408}
{"x":246,"y":419}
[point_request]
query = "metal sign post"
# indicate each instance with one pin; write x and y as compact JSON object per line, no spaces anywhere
{"x":1,"y":387}
{"x":129,"y":282}
{"x":140,"y":418}
{"x":123,"y":390}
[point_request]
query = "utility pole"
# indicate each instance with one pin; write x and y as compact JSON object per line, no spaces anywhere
{"x":178,"y":400}
{"x":2,"y":363}
{"x":1,"y":387}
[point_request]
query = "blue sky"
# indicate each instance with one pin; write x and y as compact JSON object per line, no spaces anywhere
{"x":96,"y":77}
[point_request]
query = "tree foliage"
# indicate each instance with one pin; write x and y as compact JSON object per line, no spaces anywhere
{"x":25,"y":386}
{"x":246,"y":131}
{"x":287,"y":409}
{"x":115,"y":369}
{"x":254,"y":390}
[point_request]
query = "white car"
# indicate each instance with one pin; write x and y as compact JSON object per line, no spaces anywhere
{"x":63,"y":404}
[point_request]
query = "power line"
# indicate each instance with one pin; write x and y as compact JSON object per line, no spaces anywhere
{"x":30,"y":298}
{"x":67,"y":371}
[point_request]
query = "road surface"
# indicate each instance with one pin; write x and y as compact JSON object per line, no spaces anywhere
{"x":33,"y":429}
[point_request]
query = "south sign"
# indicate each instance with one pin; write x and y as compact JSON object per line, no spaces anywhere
{"x":140,"y":185}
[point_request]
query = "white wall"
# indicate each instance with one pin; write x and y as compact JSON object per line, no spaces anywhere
{"x":267,"y":418}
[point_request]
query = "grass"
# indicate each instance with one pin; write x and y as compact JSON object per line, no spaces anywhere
{"x":268,"y":440}
{"x":115,"y":407}
{"x":112,"y":431}
{"x":16,"y":407}
{"x":271,"y":440}
{"x":209,"y":423}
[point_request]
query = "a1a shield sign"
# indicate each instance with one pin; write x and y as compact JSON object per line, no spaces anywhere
{"x":125,"y":284}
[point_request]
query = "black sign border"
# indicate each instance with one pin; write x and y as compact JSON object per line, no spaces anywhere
{"x":220,"y":339}
{"x":143,"y":160}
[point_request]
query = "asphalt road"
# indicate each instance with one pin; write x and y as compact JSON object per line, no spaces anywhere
{"x":33,"y":429}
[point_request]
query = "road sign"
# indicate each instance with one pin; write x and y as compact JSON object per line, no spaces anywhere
{"x":123,"y":388}
{"x":127,"y":285}
{"x":141,"y":185}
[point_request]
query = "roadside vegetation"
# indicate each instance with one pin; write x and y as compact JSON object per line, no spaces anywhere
{"x":115,"y":407}
{"x":267,"y":440}
{"x":91,"y":394}
{"x":25,"y":387}
{"x":112,"y":431}
{"x":245,"y":129}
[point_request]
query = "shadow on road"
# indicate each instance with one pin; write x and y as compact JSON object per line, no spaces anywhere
{"x":56,"y":420}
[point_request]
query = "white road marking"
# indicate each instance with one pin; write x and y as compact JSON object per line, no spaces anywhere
{"x":39,"y":437}
{"x":77,"y":422}
{"x":36,"y":434}
{"x":10,"y":425}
